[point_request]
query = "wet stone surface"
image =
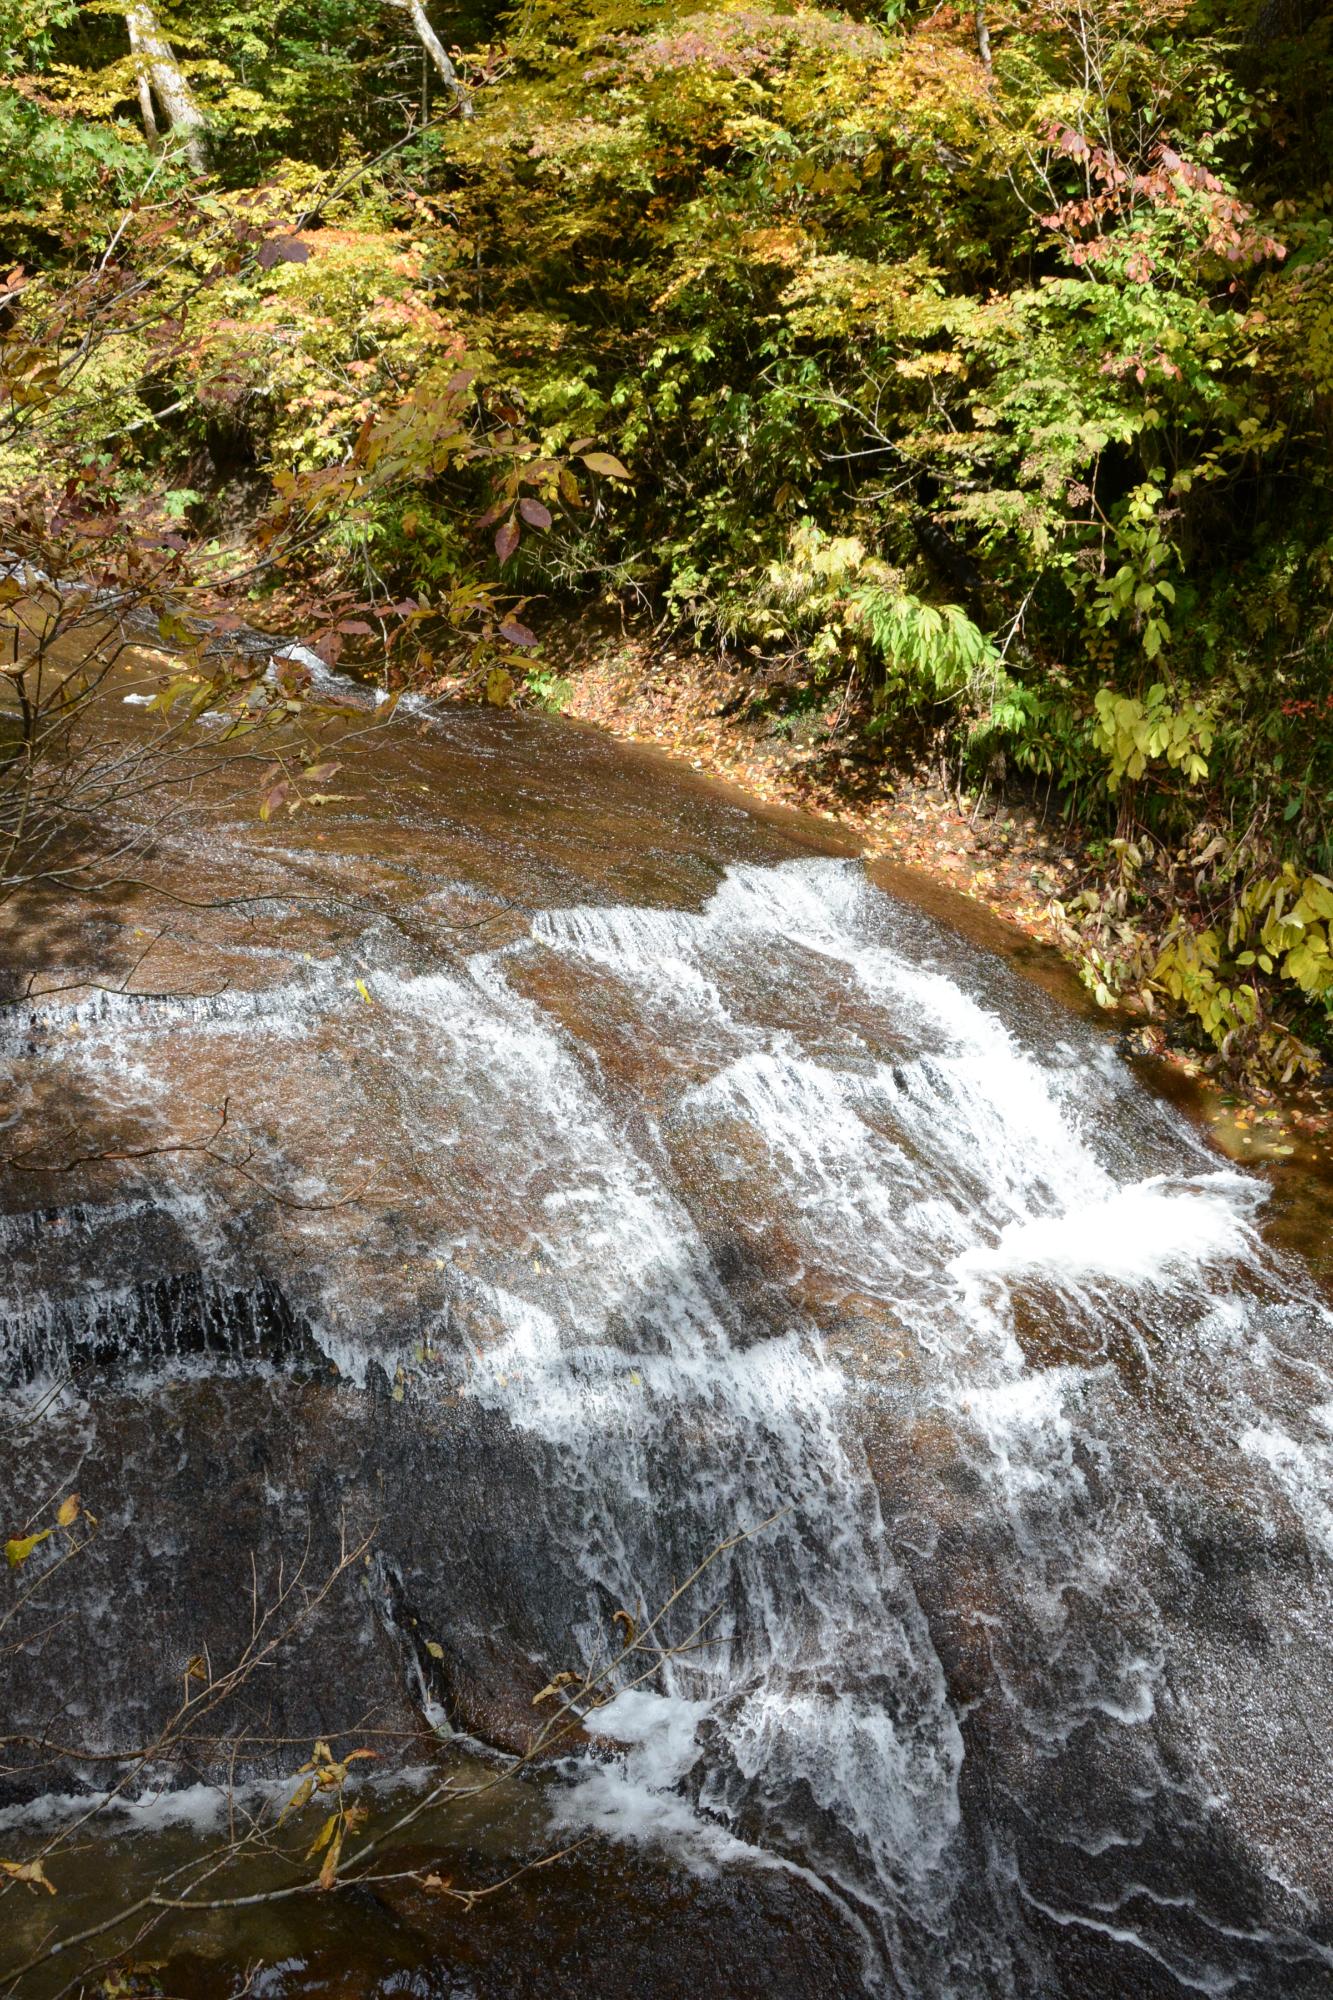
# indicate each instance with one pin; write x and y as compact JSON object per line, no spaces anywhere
{"x":608,"y":1169}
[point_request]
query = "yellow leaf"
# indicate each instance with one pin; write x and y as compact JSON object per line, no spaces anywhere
{"x":300,"y":1797}
{"x":364,"y":991}
{"x":553,"y":1687}
{"x":631,"y":1629}
{"x":328,"y":1874}
{"x":31,"y":1872}
{"x":435,"y":1649}
{"x":22,"y":1546}
{"x":69,"y":1511}
{"x":603,"y":462}
{"x":323,"y":1837}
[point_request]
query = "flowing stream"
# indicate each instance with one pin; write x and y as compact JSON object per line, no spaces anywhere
{"x":705,"y":1188}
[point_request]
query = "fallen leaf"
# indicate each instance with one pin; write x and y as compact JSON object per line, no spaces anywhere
{"x":553,"y":1687}
{"x":21,"y":1547}
{"x":31,"y":1872}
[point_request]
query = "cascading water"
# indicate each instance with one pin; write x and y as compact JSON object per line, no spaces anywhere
{"x":788,"y":1210}
{"x":1018,"y":1236}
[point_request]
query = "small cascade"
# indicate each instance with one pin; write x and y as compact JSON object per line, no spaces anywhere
{"x":107,"y":1017}
{"x":1024,"y":1240}
{"x":786,"y":1218}
{"x":187,"y":1318}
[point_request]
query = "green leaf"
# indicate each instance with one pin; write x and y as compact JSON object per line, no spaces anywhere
{"x":22,"y":1546}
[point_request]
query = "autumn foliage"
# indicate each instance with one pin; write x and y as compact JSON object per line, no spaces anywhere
{"x":967,"y":373}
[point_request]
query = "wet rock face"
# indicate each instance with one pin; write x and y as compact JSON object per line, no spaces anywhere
{"x":606,"y":1177}
{"x":161,"y":1323}
{"x":360,"y":1554}
{"x":747,"y":1936}
{"x":190,"y":1481}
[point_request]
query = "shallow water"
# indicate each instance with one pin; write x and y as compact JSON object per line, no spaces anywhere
{"x":694,"y":1182}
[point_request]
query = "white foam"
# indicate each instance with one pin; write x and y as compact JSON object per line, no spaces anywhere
{"x":1152,"y":1233}
{"x":1303,"y":1472}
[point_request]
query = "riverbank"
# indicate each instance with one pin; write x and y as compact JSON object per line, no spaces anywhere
{"x":1025,"y":866}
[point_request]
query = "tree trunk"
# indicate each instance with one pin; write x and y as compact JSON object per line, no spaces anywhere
{"x":434,"y":48}
{"x":983,"y":35}
{"x":168,"y":80}
{"x":146,"y":111}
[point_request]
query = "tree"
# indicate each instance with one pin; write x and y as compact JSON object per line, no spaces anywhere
{"x":145,"y":82}
{"x":434,"y":48}
{"x":159,"y":67}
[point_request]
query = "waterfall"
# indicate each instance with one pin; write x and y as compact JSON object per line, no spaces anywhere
{"x":785,"y":1210}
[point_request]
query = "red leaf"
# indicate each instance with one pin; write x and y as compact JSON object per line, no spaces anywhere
{"x":507,"y":540}
{"x":354,"y":625}
{"x":517,"y":635}
{"x":535,"y":514}
{"x":282,"y":250}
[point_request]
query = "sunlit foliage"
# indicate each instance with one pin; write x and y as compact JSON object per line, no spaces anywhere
{"x":976,"y":362}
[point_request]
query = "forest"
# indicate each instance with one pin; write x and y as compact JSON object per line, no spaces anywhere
{"x":961,"y":374}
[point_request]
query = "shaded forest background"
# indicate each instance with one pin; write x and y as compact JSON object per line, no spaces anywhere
{"x":966,"y":371}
